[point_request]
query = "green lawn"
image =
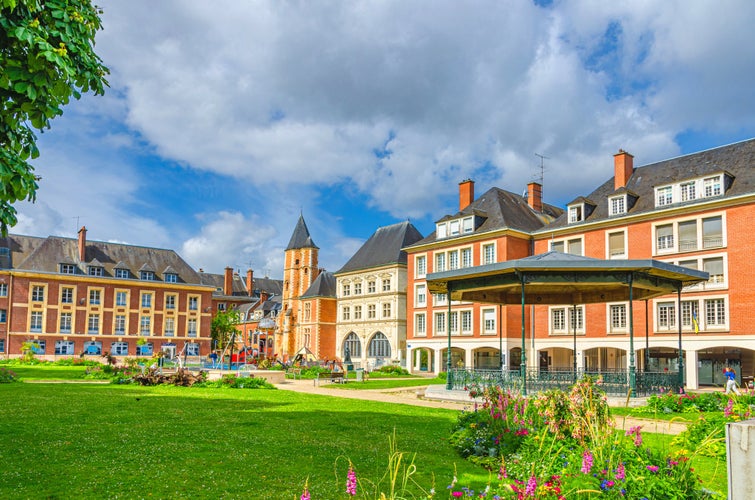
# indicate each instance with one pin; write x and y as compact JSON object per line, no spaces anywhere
{"x":105,"y":441}
{"x":48,"y":372}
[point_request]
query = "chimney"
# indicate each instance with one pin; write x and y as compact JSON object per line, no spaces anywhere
{"x":466,"y":193}
{"x":263,"y":296}
{"x":228,"y":281}
{"x":623,"y":167}
{"x":82,"y":243}
{"x":535,"y":196}
{"x":249,"y":282}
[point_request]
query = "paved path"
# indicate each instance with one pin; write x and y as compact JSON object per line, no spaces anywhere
{"x":416,"y":396}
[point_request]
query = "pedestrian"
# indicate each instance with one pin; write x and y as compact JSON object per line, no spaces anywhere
{"x":731,"y":380}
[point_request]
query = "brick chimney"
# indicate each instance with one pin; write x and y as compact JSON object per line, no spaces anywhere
{"x":535,"y":196}
{"x":249,"y":282}
{"x":623,"y":166}
{"x":263,"y":296}
{"x":82,"y":244}
{"x":228,"y":281}
{"x":466,"y":193}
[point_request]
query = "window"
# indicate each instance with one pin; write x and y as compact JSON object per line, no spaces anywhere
{"x":663,"y":196}
{"x":346,"y":289}
{"x":616,"y":246}
{"x":66,"y":295}
{"x":67,"y":269}
{"x":358,"y":288}
{"x":121,"y":298}
{"x":420,"y":263}
{"x":65,"y":322}
{"x":618,"y":205}
{"x":421,"y":295}
{"x":567,"y":320}
{"x":688,"y":235}
{"x":94,"y":297}
{"x":192,"y":349}
{"x":3,"y":289}
{"x":713,"y":232}
{"x":453,"y":322}
{"x":64,"y":348}
{"x":618,"y":317}
{"x":574,"y":247}
{"x":687,"y":190}
{"x":346,"y":313}
{"x":557,"y":246}
{"x":387,"y":310}
{"x":379,"y":346}
{"x":371,"y":311}
{"x":147,"y":275}
{"x":440,"y":262}
{"x":441,"y":230}
{"x":145,"y":350}
{"x":420,"y":325}
{"x":122,"y":273}
{"x":453,"y":260}
{"x":119,"y":348}
{"x":170,"y":301}
{"x":37,"y":293}
{"x":664,"y":237}
{"x":558,"y":319}
{"x":466,"y":257}
{"x":467,"y":225}
{"x":454,"y":227}
{"x":488,"y":321}
{"x":371,"y":286}
{"x":3,"y":315}
{"x":387,"y":285}
{"x":146,"y":299}
{"x":488,"y":253}
{"x":575,"y":213}
{"x":35,"y":325}
{"x":440,"y":299}
{"x":308,"y":311}
{"x":93,"y":324}
{"x":666,"y":316}
{"x":171,"y":278}
{"x":145,"y":326}
{"x":440,"y":323}
{"x":193,"y":303}
{"x":120,"y":324}
{"x":712,"y":186}
{"x":715,"y":312}
{"x":170,"y":327}
{"x":352,"y":344}
{"x":39,"y":346}
{"x":96,"y":271}
{"x":357,"y":312}
{"x":191,"y":327}
{"x":2,"y":345}
{"x":715,"y":268}
{"x":690,"y":315}
{"x":466,"y":321}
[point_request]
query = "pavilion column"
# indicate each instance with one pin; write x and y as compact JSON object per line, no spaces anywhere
{"x":632,"y":369}
{"x":469,"y":359}
{"x":438,"y":361}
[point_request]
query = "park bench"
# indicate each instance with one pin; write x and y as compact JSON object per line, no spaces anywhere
{"x":333,"y":377}
{"x":294,"y":372}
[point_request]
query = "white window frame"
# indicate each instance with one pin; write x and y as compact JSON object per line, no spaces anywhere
{"x":119,"y":324}
{"x":567,"y":312}
{"x":65,"y":322}
{"x":420,"y":266}
{"x":703,"y":242}
{"x":420,"y":325}
{"x":489,"y":252}
{"x":713,"y":186}
{"x":440,"y":325}
{"x":387,"y":310}
{"x":623,"y":233}
{"x":371,"y":311}
{"x":622,"y":310}
{"x":466,"y":257}
{"x":191,"y":328}
{"x":576,"y":213}
{"x":664,"y":196}
{"x":36,"y":321}
{"x":420,"y":294}
{"x":346,"y":313}
{"x":466,"y":321}
{"x":488,"y":326}
{"x":566,"y":244}
{"x":441,"y":231}
{"x":439,"y":260}
{"x":617,"y":205}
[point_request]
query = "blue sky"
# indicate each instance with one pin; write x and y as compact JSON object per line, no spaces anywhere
{"x":226,"y":120}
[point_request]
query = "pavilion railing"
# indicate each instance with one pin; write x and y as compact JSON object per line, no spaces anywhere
{"x":613,"y":382}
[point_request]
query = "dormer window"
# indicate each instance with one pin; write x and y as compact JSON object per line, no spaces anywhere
{"x":687,"y":190}
{"x":712,"y":186}
{"x":122,"y":273}
{"x":576,"y":213}
{"x":467,"y":225}
{"x":171,"y":278}
{"x":455,"y":227}
{"x":441,"y":230}
{"x":67,"y":269}
{"x":617,"y":205}
{"x":96,"y":271}
{"x":664,"y":196}
{"x":147,"y":275}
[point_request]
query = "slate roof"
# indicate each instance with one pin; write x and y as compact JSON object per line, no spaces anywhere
{"x":323,"y":286}
{"x":46,"y":254}
{"x":384,"y":247}
{"x":737,"y":160}
{"x":271,"y":286}
{"x":502,"y":209}
{"x":217,"y":281}
{"x":301,"y":237}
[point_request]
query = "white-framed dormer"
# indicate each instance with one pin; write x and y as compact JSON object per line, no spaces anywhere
{"x":450,"y":228}
{"x":617,"y":205}
{"x":709,"y":186}
{"x":576,"y":213}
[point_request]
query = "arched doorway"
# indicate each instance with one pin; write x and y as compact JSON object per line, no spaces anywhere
{"x":457,"y":358}
{"x":487,"y":358}
{"x":605,"y":359}
{"x":378,"y":349}
{"x":353,"y":344}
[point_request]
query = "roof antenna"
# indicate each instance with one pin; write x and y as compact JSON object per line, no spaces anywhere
{"x":76,"y":230}
{"x":542,"y":172}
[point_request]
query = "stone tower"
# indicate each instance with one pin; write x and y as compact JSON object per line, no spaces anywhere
{"x":299,"y":271}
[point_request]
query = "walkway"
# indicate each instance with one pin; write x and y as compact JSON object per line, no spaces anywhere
{"x":435,"y":396}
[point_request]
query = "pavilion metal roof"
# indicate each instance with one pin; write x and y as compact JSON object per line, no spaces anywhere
{"x":559,"y":278}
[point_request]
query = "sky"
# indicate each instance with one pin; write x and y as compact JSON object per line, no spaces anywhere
{"x":226,"y":120}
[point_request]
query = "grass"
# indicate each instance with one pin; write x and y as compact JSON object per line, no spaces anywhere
{"x":388,"y":383}
{"x":97,"y":441}
{"x":48,"y":372}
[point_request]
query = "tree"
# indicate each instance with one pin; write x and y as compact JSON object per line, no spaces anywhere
{"x":223,"y":327}
{"x":46,"y":56}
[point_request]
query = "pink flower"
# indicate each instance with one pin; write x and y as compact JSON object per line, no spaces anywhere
{"x":652,"y":468}
{"x":637,"y":435}
{"x":351,"y":482}
{"x":586,"y":462}
{"x":728,"y":411}
{"x":305,"y":494}
{"x":531,"y":487}
{"x":620,"y":472}
{"x":457,"y":494}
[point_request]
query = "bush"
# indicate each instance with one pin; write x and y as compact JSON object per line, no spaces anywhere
{"x":7,"y":376}
{"x":234,"y":382}
{"x":393,"y":370}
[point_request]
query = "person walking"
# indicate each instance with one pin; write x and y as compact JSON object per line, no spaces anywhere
{"x":731,"y":380}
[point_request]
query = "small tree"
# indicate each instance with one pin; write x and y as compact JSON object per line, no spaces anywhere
{"x":46,"y":56}
{"x":223,"y":327}
{"x":27,"y":350}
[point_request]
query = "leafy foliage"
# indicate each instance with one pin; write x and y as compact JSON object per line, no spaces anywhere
{"x":47,"y":56}
{"x":223,"y":327}
{"x":7,"y":376}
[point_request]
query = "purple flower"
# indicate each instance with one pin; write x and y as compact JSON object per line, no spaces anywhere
{"x":351,"y":482}
{"x":652,"y":468}
{"x":586,"y":462}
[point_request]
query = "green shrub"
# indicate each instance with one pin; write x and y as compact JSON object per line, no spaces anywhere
{"x":7,"y":376}
{"x":394,"y":370}
{"x":234,"y":382}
